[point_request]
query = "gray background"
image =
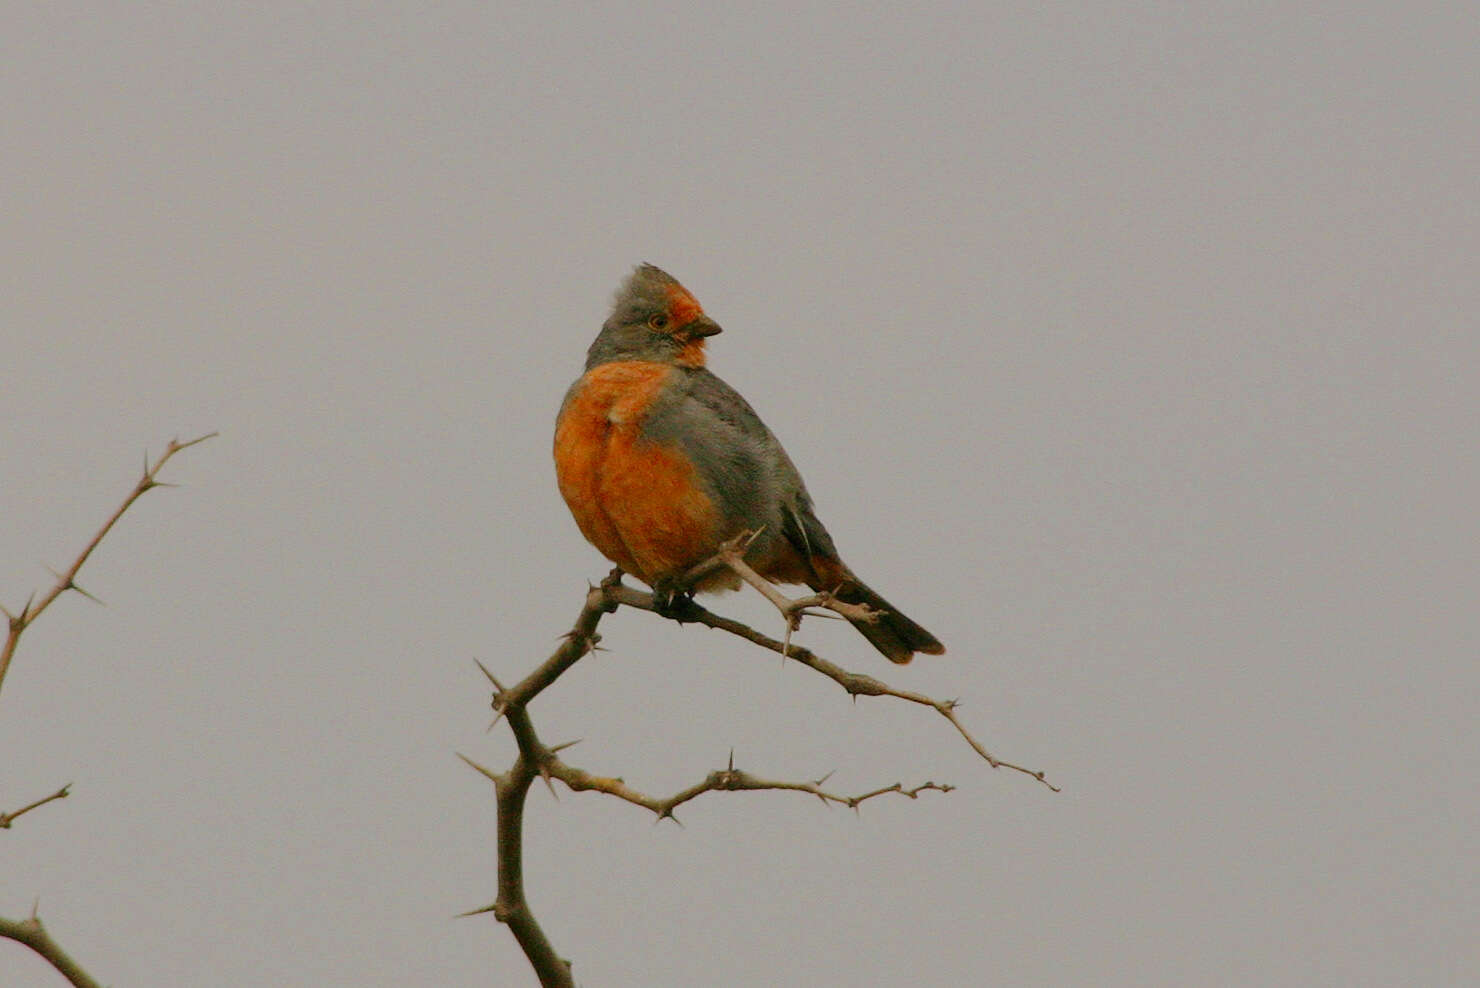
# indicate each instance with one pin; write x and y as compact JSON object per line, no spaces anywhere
{"x":1130,"y":347}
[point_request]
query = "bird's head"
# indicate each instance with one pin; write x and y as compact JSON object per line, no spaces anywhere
{"x":653,"y":319}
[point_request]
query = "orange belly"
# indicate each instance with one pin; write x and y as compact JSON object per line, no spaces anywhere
{"x":639,"y":502}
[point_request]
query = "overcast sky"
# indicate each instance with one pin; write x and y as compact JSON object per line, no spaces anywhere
{"x":1130,"y":348}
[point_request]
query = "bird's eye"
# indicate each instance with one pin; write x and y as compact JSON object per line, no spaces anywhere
{"x":659,"y":321}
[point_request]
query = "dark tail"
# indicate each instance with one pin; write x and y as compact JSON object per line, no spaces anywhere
{"x":892,"y":633}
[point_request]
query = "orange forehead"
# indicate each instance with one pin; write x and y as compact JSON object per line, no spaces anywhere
{"x":683,"y":308}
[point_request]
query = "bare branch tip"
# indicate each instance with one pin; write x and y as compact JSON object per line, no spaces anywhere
{"x":198,"y":439}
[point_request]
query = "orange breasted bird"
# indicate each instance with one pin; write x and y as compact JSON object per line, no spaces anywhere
{"x":661,"y":462}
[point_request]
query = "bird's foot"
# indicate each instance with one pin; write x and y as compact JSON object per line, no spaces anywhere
{"x":677,"y":605}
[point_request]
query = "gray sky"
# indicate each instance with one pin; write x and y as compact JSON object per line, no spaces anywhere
{"x":1129,"y":347}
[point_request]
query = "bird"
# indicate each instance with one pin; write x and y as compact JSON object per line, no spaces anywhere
{"x":661,"y":462}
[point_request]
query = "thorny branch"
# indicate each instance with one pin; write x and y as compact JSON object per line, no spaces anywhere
{"x":510,"y":788}
{"x":856,"y":684}
{"x":30,"y":931}
{"x":537,"y":760}
{"x":68,"y":580}
{"x":729,"y":779}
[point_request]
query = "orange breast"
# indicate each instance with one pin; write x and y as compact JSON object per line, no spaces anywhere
{"x":639,"y":502}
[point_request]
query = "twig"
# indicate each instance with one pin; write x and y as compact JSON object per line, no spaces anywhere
{"x":731,"y":555}
{"x":30,"y":932}
{"x":728,"y":779}
{"x":67,"y":580}
{"x":6,"y":819}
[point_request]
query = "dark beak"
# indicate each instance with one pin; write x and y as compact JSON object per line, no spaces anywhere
{"x":701,"y":327}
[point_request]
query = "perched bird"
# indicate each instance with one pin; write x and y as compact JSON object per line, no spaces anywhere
{"x":661,"y":462}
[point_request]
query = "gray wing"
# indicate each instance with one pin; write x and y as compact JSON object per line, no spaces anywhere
{"x":749,"y":474}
